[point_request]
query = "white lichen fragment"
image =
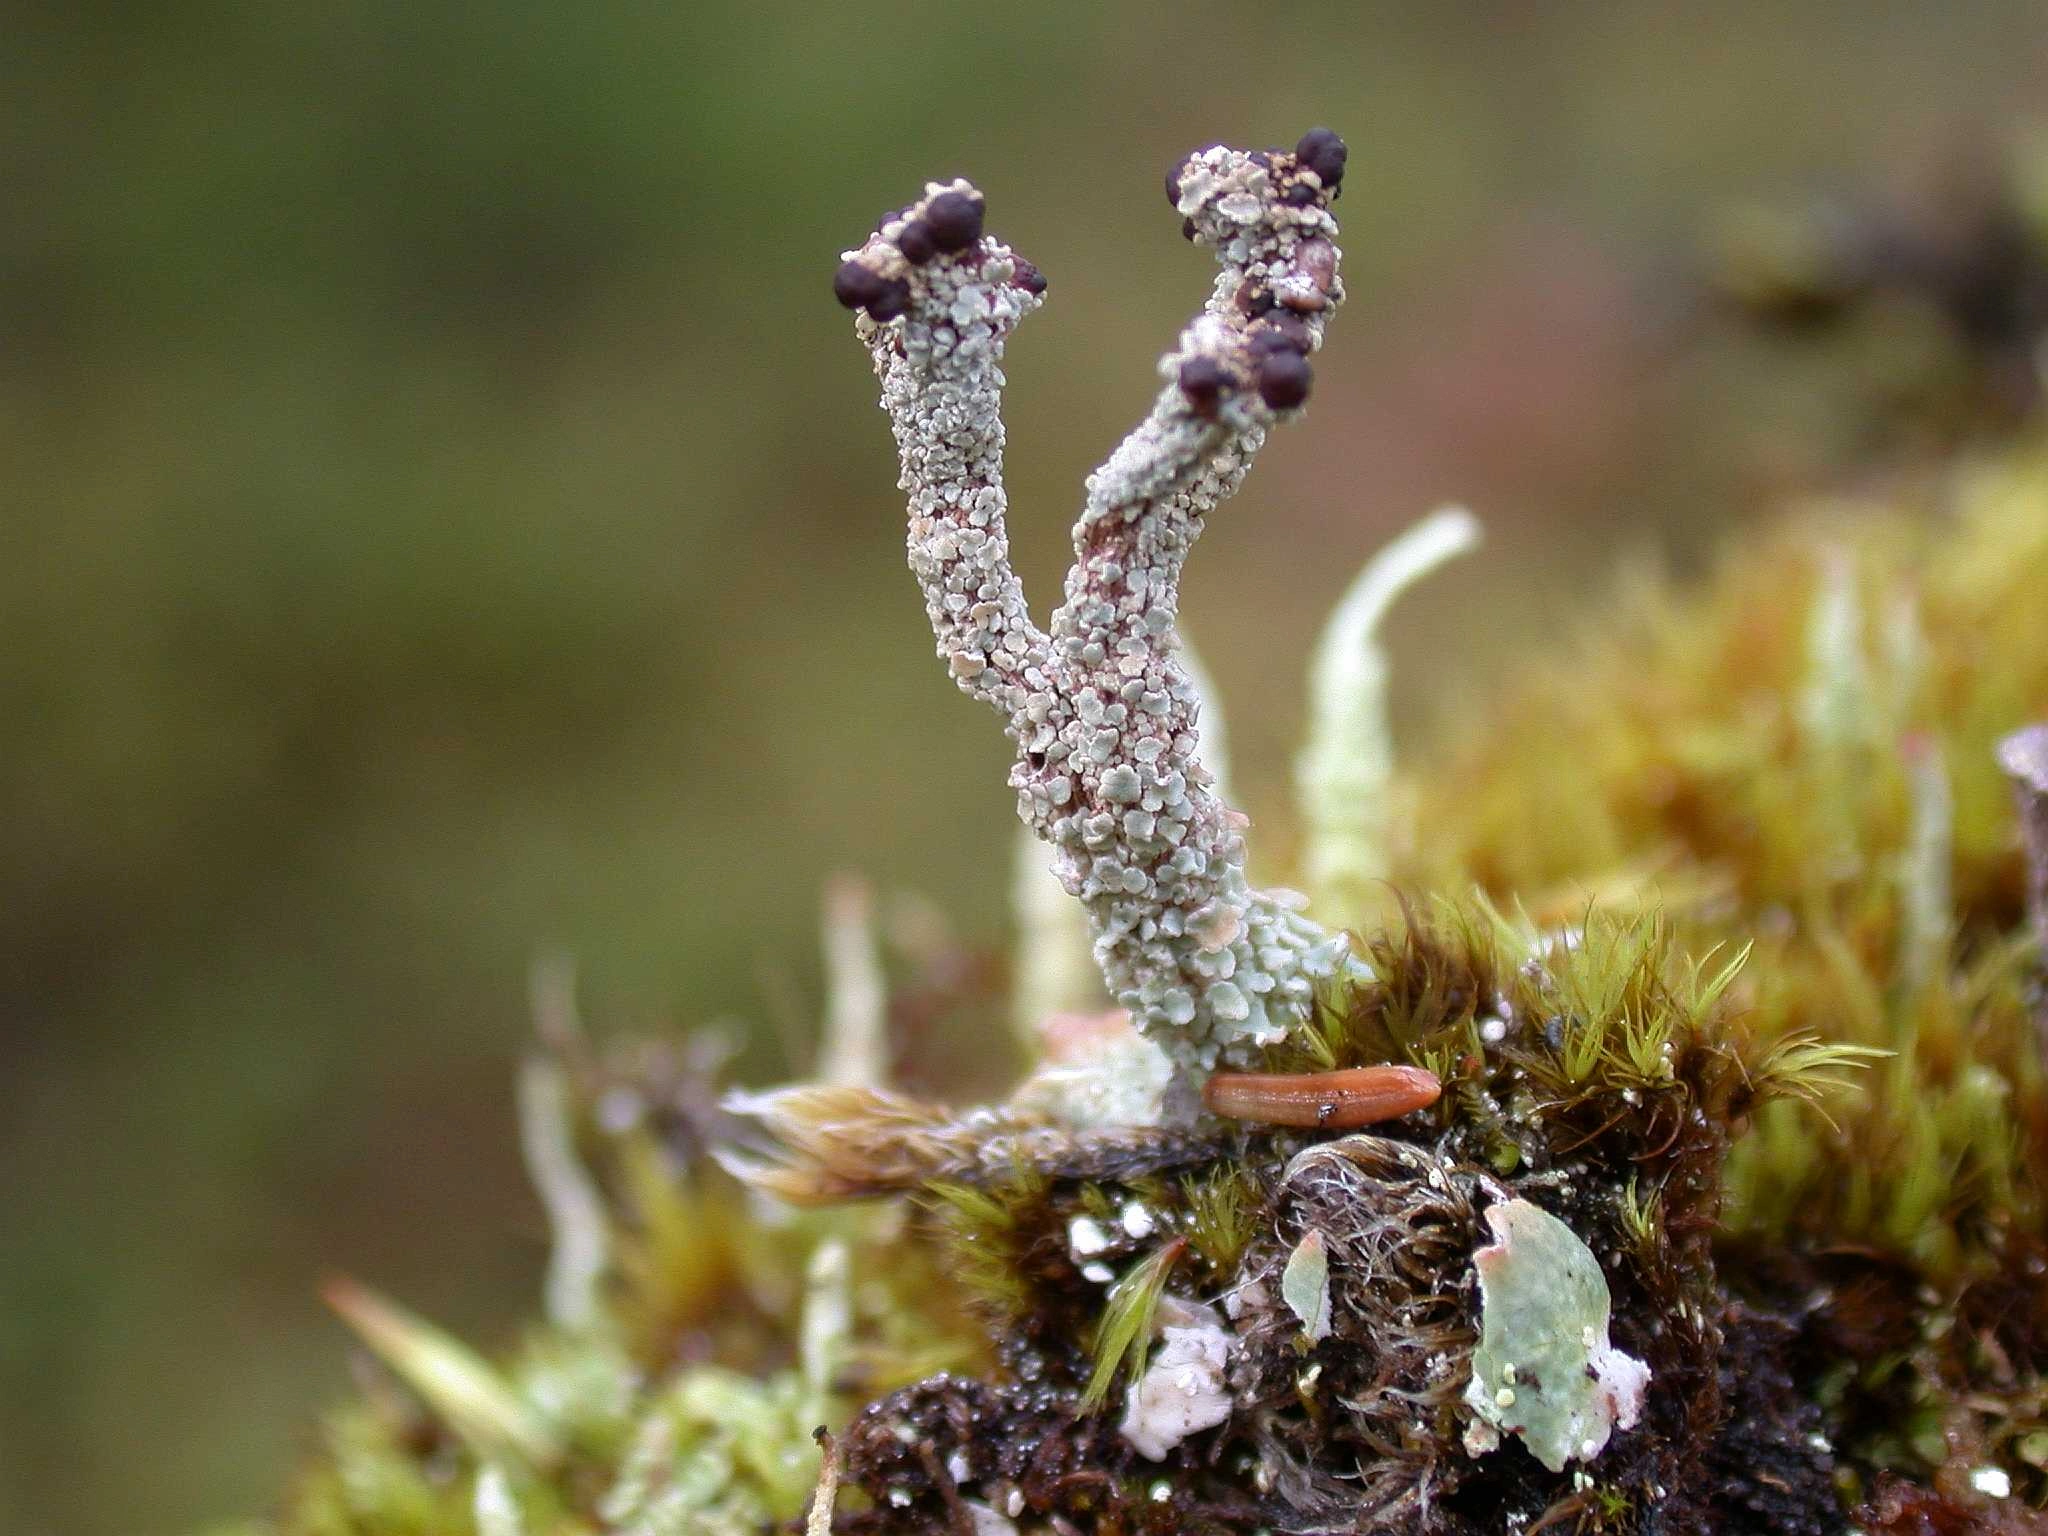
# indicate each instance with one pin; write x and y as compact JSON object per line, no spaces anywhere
{"x":1344,"y":776}
{"x":1101,"y":709}
{"x":1305,"y":1286}
{"x":2024,"y":757}
{"x":1183,"y":1390}
{"x":854,"y":1052}
{"x":1992,"y":1482}
{"x":1926,"y":899}
{"x":1136,"y":1219}
{"x":1086,"y":1238}
{"x":1838,"y":707}
{"x":825,"y":1330}
{"x":1545,"y":1368}
{"x":581,"y":1251}
{"x":493,"y":1507}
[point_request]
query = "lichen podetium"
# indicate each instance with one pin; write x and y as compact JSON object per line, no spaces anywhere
{"x":1102,"y":714}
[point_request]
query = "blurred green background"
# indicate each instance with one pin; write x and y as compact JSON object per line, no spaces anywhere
{"x":447,"y":519}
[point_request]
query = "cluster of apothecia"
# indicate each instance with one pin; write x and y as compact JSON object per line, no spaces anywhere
{"x":1278,"y":339}
{"x":876,"y":280}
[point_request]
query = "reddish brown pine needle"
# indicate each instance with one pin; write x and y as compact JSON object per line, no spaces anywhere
{"x":1337,"y":1101}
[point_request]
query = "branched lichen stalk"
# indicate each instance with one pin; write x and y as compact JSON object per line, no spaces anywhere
{"x":1101,"y":711}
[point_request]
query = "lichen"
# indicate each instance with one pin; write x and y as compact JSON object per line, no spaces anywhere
{"x":1545,"y":1368}
{"x":1102,"y":713}
{"x":1719,"y":933}
{"x":1344,"y":777}
{"x":1184,"y":1389}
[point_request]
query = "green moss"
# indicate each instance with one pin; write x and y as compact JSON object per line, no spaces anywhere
{"x":986,"y":1234}
{"x":1124,"y":1336}
{"x":1223,"y":1207}
{"x":1798,"y":761}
